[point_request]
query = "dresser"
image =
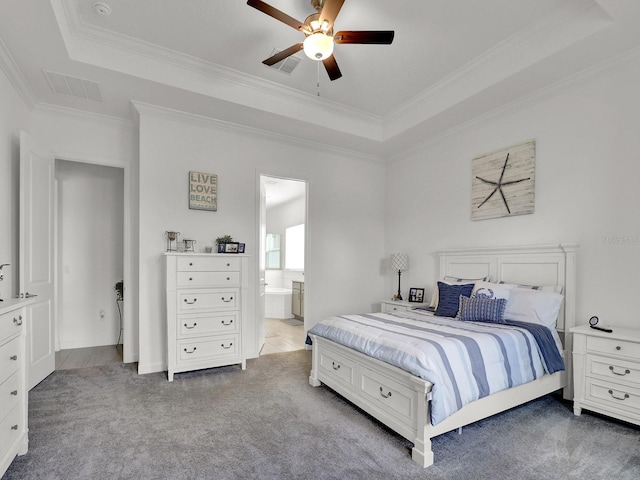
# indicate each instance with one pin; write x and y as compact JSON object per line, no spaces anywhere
{"x":13,"y":390}
{"x":207,"y":296}
{"x":606,"y":372}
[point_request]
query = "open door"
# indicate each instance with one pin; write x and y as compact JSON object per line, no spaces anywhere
{"x":37,"y":177}
{"x":262,"y":233}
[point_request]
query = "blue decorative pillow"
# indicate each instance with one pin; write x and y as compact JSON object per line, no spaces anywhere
{"x":479,"y":309}
{"x":449,"y":298}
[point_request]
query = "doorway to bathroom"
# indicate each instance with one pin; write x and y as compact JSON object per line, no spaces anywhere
{"x":283,"y":224}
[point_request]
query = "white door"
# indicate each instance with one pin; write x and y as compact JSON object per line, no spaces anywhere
{"x":37,"y":179}
{"x":262,"y":233}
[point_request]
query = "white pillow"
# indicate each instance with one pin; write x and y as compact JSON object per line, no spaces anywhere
{"x":491,"y":290}
{"x":533,"y":306}
{"x":541,"y":288}
{"x":451,"y":281}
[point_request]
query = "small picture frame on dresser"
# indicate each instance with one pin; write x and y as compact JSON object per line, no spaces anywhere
{"x":230,"y":247}
{"x":416,"y":295}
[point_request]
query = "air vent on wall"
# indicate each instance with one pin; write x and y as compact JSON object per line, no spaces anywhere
{"x":73,"y":86}
{"x":287,"y":65}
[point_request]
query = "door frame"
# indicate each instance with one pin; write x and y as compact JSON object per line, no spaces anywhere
{"x":130,"y":349}
{"x":259,"y":219}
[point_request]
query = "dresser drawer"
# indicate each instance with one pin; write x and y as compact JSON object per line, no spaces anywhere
{"x":10,"y":358}
{"x":205,"y":264}
{"x":208,"y":347}
{"x":11,"y":427}
{"x":11,"y":323}
{"x":614,"y":369}
{"x":208,"y":279}
{"x":621,"y":397}
{"x":11,"y":394}
{"x":384,"y":393}
{"x":615,"y":347}
{"x":209,"y":299}
{"x":207,"y":324}
{"x":337,"y":368}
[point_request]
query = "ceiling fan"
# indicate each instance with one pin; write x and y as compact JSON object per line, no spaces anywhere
{"x":320,"y":39}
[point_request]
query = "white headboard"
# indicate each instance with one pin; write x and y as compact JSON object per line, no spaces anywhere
{"x":530,"y":265}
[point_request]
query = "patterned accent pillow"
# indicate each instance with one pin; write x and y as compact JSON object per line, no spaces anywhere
{"x":491,"y":290}
{"x":449,"y":298}
{"x":453,"y":281}
{"x":479,"y":309}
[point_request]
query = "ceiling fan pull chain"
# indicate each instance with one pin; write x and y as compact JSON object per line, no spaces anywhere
{"x":318,"y":84}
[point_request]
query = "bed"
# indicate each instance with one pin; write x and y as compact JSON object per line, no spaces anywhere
{"x":404,"y":400}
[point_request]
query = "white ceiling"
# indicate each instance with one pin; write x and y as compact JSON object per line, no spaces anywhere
{"x":450,"y":62}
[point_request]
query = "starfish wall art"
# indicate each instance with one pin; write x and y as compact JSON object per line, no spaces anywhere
{"x":503,"y":182}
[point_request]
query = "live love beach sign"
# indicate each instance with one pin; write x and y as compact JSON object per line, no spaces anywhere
{"x":203,"y":191}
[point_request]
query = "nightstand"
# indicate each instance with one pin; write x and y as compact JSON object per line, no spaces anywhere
{"x":606,"y":372}
{"x":400,"y":306}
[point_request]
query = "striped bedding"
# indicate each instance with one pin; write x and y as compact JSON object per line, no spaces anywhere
{"x":465,"y":361}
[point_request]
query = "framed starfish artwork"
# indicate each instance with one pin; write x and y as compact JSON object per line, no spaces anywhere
{"x":503,"y":182}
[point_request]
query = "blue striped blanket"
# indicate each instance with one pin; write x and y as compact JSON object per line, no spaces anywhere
{"x":465,"y":361}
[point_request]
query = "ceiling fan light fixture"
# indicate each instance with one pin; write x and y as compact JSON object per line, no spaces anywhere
{"x":318,"y":46}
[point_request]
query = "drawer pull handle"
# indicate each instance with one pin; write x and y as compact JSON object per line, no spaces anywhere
{"x":626,"y":395}
{"x":191,"y":279}
{"x":227,"y":301}
{"x":618,"y":347}
{"x":226,"y":348}
{"x":187,"y":351}
{"x":228,"y":278}
{"x":225,"y":323}
{"x":626,"y":371}
{"x":190,"y":327}
{"x":14,"y":427}
{"x":14,"y":393}
{"x":191,"y":264}
{"x":335,"y":367}
{"x":383,"y":395}
{"x":228,"y":264}
{"x":190,"y":303}
{"x":18,"y":321}
{"x":13,"y":357}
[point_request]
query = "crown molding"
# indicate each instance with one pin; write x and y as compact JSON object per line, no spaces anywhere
{"x":575,"y":21}
{"x":164,"y":113}
{"x":83,"y":41}
{"x":15,"y":77}
{"x":624,"y":61}
{"x":83,"y":115}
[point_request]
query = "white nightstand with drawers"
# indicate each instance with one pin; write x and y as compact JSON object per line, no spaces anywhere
{"x":400,"y":306}
{"x":606,"y":372}
{"x":207,"y":298}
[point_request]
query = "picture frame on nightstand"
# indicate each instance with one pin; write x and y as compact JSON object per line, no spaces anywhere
{"x":416,"y":295}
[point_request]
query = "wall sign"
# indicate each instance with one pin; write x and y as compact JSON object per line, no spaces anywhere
{"x":503,"y":182}
{"x":203,"y":191}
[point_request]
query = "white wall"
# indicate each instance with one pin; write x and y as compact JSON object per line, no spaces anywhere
{"x":345,"y":218}
{"x":14,"y":116}
{"x":90,"y":239}
{"x":586,"y":191}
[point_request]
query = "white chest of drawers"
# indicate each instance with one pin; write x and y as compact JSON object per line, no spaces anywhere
{"x":206,"y":306}
{"x":13,"y":392}
{"x":606,"y":372}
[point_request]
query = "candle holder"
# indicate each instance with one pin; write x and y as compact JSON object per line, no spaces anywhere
{"x":172,"y":237}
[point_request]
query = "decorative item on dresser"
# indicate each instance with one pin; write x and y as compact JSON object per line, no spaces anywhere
{"x":13,"y":382}
{"x":606,"y":372}
{"x":206,"y":307}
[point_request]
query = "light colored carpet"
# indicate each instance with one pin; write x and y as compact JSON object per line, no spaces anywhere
{"x":267,"y":423}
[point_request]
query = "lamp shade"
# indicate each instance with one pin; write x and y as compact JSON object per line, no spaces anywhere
{"x":399,"y":261}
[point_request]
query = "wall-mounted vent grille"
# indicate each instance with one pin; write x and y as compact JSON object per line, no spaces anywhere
{"x":287,"y":65}
{"x":73,"y":86}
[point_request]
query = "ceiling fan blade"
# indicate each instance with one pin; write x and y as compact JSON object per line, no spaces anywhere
{"x":278,"y":57}
{"x":277,"y":14}
{"x":331,"y":66}
{"x":330,"y":11}
{"x":380,"y":37}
